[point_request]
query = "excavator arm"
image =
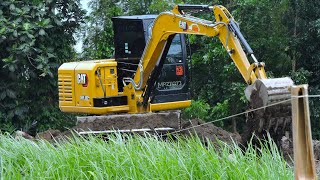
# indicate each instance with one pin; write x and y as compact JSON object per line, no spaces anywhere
{"x":261,"y":91}
{"x":174,"y":22}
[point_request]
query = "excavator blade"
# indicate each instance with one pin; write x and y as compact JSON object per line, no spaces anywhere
{"x":273,"y":95}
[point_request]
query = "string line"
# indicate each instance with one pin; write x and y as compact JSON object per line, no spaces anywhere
{"x":242,"y":113}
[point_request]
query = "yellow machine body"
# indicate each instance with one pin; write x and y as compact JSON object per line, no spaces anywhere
{"x":80,"y":82}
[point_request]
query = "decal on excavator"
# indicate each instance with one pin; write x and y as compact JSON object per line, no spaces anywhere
{"x":82,"y":79}
{"x":179,"y":70}
{"x":170,"y":84}
{"x":194,"y":27}
{"x":183,"y":25}
{"x":84,"y":98}
{"x":126,"y":48}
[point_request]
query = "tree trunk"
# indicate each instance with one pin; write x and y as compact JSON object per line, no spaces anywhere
{"x":234,"y":125}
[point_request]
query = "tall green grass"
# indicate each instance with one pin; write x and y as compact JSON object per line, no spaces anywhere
{"x":137,"y":158}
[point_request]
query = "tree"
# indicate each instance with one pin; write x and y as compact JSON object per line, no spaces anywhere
{"x":303,"y":22}
{"x":35,"y":37}
{"x":138,"y":7}
{"x":98,"y":42}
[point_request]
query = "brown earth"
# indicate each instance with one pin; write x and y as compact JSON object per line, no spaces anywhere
{"x":151,"y":121}
{"x":128,"y":121}
{"x":209,"y":131}
{"x":287,"y":151}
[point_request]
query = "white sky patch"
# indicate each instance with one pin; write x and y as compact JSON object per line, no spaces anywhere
{"x":85,"y":5}
{"x":79,"y":44}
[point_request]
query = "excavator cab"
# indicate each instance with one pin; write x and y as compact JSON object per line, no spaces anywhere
{"x":170,"y":81}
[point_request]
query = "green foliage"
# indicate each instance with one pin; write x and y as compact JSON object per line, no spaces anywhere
{"x":283,"y":34}
{"x":136,"y":7}
{"x":35,"y":37}
{"x":198,"y":109}
{"x":98,"y":42}
{"x":303,"y":28}
{"x":301,"y":76}
{"x":221,"y":110}
{"x":314,"y":104}
{"x":139,"y":158}
{"x":262,"y":23}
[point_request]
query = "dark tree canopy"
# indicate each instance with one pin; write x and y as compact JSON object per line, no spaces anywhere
{"x":35,"y":38}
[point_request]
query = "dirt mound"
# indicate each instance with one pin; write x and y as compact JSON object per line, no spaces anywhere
{"x":150,"y":121}
{"x":49,"y":134}
{"x":209,"y":131}
{"x":128,"y":121}
{"x":287,"y":148}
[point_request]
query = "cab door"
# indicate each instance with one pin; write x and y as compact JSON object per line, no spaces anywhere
{"x":173,"y":83}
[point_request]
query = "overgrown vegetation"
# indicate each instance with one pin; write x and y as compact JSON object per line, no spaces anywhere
{"x":138,"y":158}
{"x":283,"y":34}
{"x":37,"y":36}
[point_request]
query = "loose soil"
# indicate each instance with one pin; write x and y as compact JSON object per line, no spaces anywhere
{"x":151,"y":121}
{"x":287,"y":151}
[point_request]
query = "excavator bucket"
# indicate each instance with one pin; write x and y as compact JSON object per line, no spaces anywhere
{"x":267,"y":91}
{"x":272,"y":99}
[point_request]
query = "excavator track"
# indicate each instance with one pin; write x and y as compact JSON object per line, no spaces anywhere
{"x":272,"y":98}
{"x":154,"y":123}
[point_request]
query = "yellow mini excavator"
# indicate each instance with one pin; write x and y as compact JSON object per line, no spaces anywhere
{"x":149,"y":71}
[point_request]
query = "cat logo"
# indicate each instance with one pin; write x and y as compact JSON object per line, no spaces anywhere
{"x":83,"y":79}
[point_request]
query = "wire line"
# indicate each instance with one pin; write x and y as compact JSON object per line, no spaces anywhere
{"x":242,"y":113}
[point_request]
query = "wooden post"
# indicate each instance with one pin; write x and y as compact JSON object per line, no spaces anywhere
{"x":304,"y":165}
